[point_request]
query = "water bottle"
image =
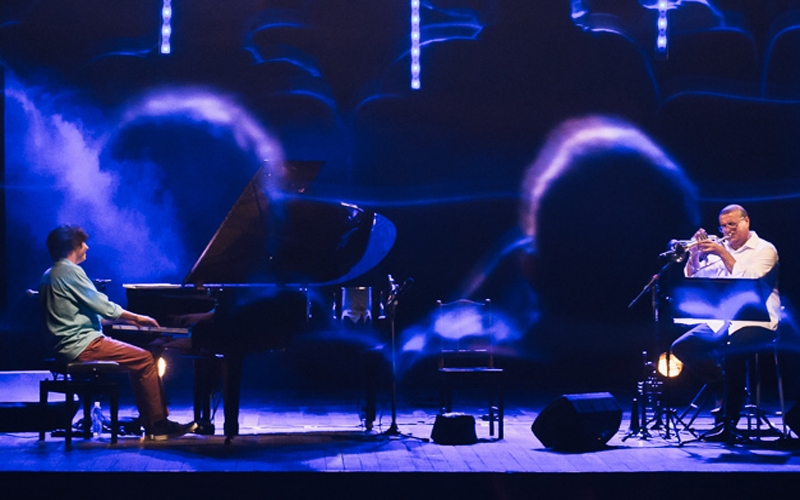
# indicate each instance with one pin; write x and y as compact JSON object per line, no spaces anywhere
{"x":97,"y":420}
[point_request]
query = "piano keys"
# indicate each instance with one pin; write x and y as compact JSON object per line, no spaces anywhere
{"x":160,"y":331}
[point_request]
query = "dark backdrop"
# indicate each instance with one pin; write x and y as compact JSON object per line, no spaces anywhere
{"x":148,"y":151}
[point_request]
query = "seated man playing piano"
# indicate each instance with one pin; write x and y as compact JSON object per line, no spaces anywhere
{"x":73,"y":309}
{"x":741,"y":253}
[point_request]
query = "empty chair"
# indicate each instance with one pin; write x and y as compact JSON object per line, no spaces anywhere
{"x":465,"y":330}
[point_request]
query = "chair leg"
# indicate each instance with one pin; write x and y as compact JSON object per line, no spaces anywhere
{"x":43,"y":392}
{"x":88,"y":399}
{"x":754,"y":408}
{"x":501,"y":410}
{"x":445,"y":395}
{"x":782,"y":401}
{"x":114,"y":414}
{"x":69,"y":401}
{"x":751,"y":407}
{"x":496,"y":407}
{"x":491,"y":413}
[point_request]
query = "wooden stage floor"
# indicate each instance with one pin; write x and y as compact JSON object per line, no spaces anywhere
{"x":288,"y":441}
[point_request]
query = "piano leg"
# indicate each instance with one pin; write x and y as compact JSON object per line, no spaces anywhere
{"x":203,"y":367}
{"x":231,"y":393}
{"x":372,"y":361}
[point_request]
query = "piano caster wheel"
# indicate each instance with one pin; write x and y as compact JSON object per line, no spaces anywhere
{"x":228,"y":439}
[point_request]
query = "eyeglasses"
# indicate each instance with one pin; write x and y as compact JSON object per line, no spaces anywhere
{"x":730,"y":225}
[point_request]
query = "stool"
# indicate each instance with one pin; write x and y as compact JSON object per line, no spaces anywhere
{"x":86,"y":381}
{"x":754,"y":413}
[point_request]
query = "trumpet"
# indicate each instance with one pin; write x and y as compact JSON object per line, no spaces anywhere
{"x":689,"y":244}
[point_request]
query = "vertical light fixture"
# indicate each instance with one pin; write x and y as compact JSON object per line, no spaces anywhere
{"x":661,"y":29}
{"x":415,"y":68}
{"x":166,"y":27}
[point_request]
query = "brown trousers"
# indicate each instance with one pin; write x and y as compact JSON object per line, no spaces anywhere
{"x":147,"y":387}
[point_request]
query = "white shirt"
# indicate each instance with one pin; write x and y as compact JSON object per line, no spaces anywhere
{"x":755,"y":259}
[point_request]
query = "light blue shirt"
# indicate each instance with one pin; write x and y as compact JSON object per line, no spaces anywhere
{"x":73,"y":308}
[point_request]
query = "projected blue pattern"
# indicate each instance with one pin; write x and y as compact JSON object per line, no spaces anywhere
{"x":425,"y":338}
{"x":445,"y":25}
{"x":627,"y":20}
{"x":653,"y":25}
{"x":708,"y":59}
{"x":344,"y":65}
{"x":125,"y":201}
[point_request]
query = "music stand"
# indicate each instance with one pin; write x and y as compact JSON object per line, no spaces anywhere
{"x":726,"y":299}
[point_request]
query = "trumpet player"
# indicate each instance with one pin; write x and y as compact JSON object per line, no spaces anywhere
{"x":741,"y":253}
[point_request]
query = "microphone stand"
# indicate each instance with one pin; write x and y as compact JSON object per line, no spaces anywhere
{"x":391,"y":304}
{"x":664,"y":415}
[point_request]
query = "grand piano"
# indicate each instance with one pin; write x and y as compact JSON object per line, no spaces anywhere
{"x":252,"y":287}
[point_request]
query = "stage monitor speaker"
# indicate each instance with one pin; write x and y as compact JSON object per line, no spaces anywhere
{"x":578,"y":422}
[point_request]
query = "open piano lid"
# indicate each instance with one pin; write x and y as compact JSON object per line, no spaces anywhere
{"x":273,"y":234}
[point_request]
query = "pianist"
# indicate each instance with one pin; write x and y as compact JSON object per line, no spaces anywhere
{"x":740,"y":254}
{"x":73,"y":309}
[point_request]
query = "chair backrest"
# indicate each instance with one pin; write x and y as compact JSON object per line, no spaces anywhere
{"x":465,"y":331}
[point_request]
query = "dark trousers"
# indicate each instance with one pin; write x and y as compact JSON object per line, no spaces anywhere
{"x":707,"y":353}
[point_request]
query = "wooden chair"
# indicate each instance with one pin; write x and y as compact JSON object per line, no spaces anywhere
{"x":465,"y":330}
{"x":87,"y":381}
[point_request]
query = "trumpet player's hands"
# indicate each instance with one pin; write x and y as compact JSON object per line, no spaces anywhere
{"x":707,"y":246}
{"x":701,"y":248}
{"x":700,"y":235}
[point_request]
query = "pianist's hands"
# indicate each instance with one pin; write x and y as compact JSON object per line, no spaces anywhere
{"x":139,"y":319}
{"x":143,"y":320}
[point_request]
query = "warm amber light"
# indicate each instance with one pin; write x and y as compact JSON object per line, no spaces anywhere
{"x":675,"y":365}
{"x":162,"y":366}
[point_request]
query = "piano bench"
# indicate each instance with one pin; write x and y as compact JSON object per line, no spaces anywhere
{"x":87,"y":382}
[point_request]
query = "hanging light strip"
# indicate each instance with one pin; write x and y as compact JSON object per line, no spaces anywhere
{"x":661,"y":29}
{"x":166,"y":27}
{"x":415,"y":68}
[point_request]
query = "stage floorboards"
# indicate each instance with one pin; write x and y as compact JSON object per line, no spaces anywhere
{"x":287,"y":433}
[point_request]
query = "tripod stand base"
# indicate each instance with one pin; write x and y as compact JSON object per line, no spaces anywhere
{"x":721,"y":433}
{"x":394,"y":431}
{"x":642,"y":433}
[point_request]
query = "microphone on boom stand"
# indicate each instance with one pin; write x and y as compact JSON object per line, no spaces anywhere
{"x":395,"y":292}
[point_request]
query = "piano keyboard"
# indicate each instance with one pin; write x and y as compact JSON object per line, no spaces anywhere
{"x":163,"y":330}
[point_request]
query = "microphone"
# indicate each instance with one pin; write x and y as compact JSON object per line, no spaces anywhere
{"x":397,"y":290}
{"x":676,"y":249}
{"x":407,"y":284}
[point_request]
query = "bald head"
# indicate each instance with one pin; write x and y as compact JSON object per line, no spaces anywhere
{"x":734,"y":208}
